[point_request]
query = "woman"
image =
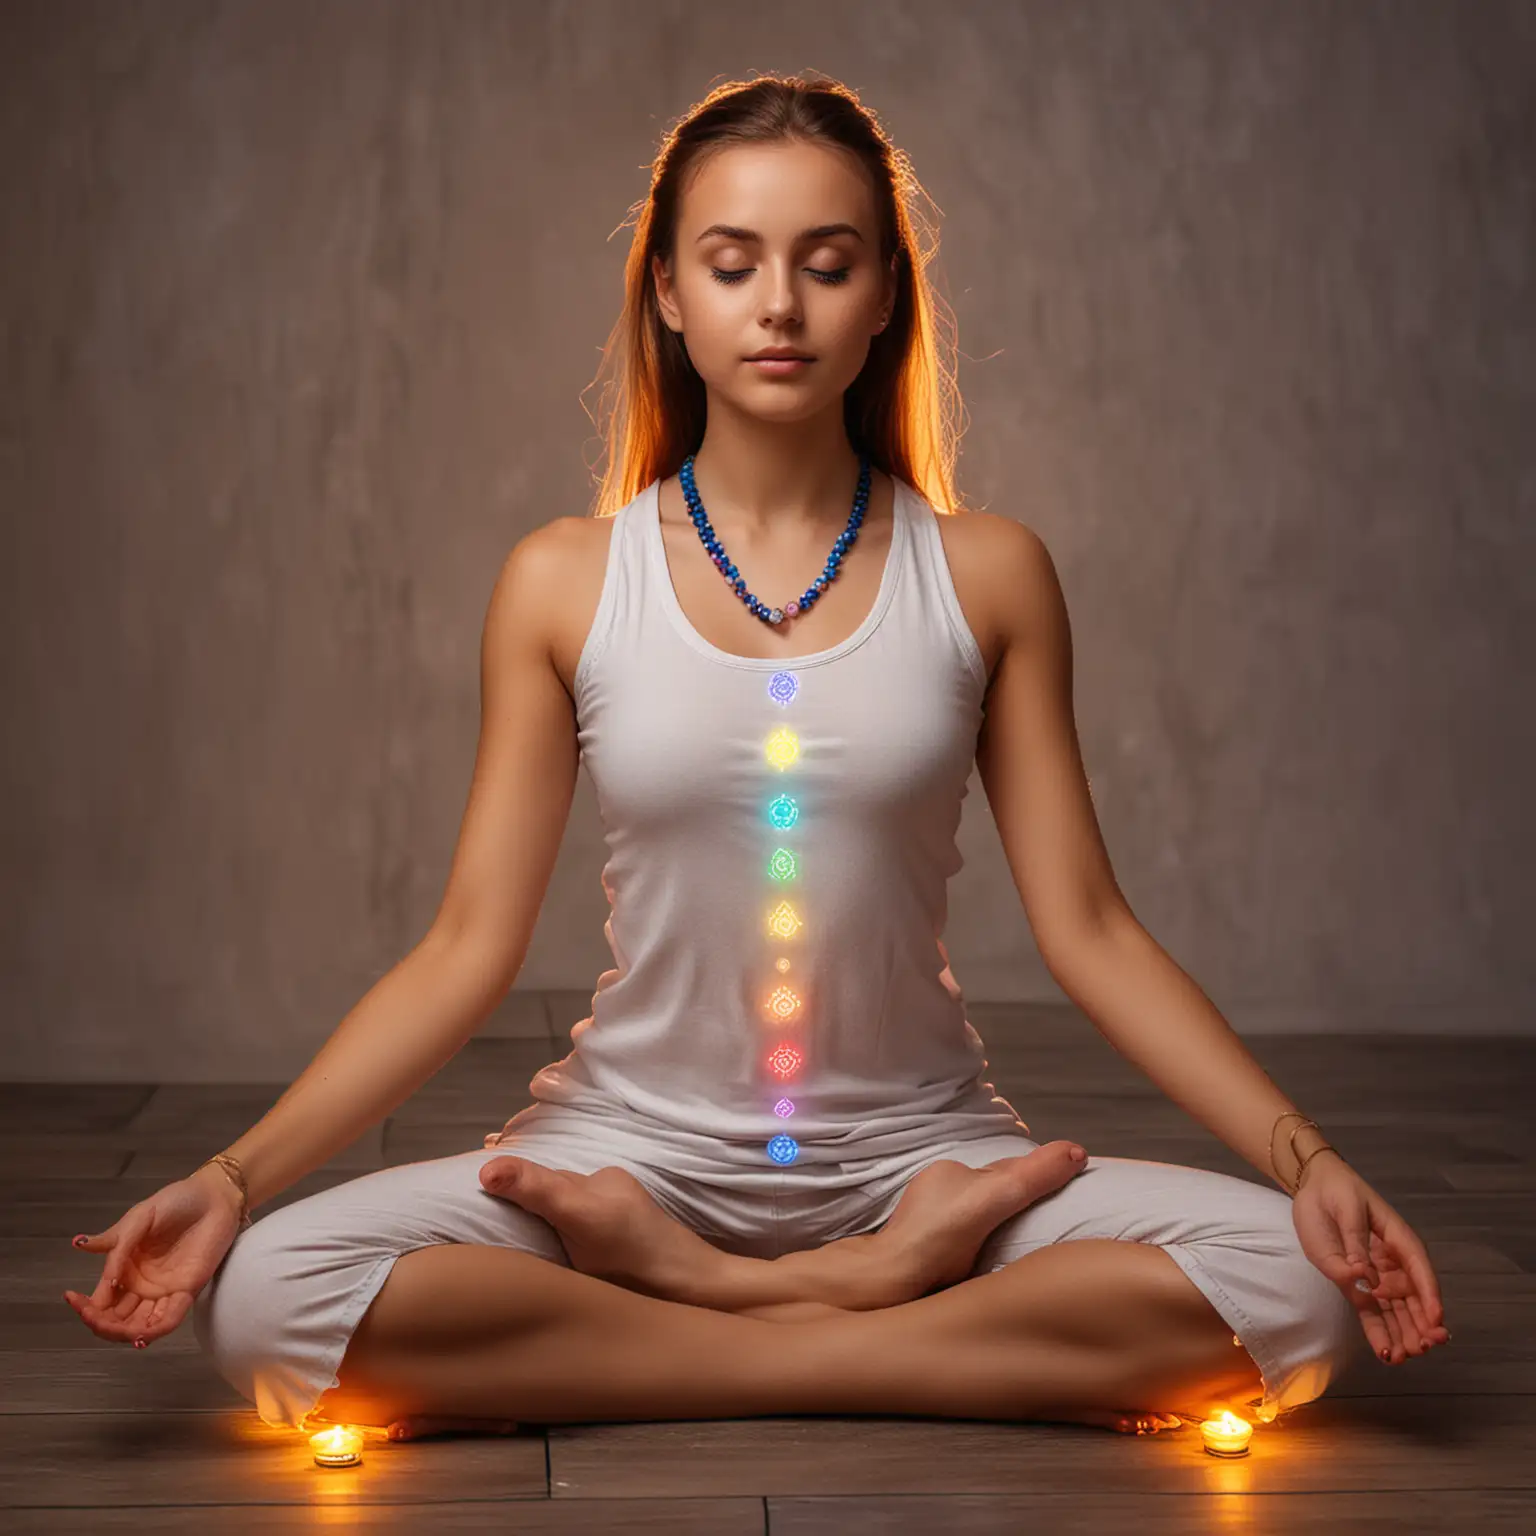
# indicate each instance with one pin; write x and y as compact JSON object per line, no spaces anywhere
{"x":769,"y":1177}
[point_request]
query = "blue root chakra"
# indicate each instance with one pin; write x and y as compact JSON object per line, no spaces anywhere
{"x":783,"y":1149}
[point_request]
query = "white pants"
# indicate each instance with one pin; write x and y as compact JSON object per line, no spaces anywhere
{"x":277,"y":1316}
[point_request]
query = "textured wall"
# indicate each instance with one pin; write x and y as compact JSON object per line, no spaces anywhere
{"x":299,"y":300}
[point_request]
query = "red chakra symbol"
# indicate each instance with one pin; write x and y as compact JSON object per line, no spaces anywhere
{"x":785,"y":1060}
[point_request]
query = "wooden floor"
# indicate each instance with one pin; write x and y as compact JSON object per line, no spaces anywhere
{"x":98,"y":1436}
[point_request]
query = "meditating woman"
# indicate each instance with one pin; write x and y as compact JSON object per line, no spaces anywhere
{"x":769,"y":1177}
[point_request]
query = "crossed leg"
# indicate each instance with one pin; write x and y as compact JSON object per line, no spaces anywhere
{"x":1067,"y":1331}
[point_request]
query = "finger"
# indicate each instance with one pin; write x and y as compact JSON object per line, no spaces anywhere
{"x":1428,"y":1331}
{"x":106,"y":1323}
{"x":1413,"y":1329}
{"x":1394,"y":1345}
{"x":107,"y":1294}
{"x":119,"y":1303}
{"x":1372,"y":1321}
{"x":101,"y":1244}
{"x":170,"y":1312}
{"x":130,"y":1230}
{"x":1355,"y":1225}
{"x":161,"y":1316}
{"x":1376,"y":1332}
{"x":1403,"y":1327}
{"x":1416,"y":1260}
{"x":1323,"y":1228}
{"x":111,"y":1283}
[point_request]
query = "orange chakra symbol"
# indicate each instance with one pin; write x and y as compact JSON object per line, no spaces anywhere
{"x":784,"y":1003}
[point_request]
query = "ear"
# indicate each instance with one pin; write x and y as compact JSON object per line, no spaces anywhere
{"x":665,"y":302}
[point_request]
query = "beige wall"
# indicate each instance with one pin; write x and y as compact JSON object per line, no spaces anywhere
{"x":299,"y":299}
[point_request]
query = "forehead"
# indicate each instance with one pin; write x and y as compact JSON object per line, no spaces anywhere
{"x":777,"y":189}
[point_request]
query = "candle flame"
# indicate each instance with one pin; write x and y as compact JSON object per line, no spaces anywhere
{"x":340,"y":1440}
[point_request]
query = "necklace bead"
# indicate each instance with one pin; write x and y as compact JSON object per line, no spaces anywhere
{"x":807,"y":599}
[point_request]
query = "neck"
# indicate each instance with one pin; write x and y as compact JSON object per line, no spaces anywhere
{"x":759,"y":482}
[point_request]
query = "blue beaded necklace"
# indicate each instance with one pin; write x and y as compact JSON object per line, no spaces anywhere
{"x":807,"y":599}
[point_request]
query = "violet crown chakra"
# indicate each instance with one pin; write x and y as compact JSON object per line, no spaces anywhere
{"x":782,"y":687}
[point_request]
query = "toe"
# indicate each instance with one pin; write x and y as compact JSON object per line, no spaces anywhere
{"x":509,"y":1175}
{"x":1048,"y":1167}
{"x":1062,"y":1156}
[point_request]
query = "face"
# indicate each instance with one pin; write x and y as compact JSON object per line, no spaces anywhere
{"x":777,"y":245}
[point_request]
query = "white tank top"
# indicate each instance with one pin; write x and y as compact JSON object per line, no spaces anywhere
{"x":780,"y":837}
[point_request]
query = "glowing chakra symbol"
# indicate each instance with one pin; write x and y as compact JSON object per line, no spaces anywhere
{"x":783,"y":1149}
{"x":781,"y":964}
{"x":784,"y":922}
{"x":782,"y":748}
{"x":782,"y":687}
{"x":783,"y":813}
{"x":784,"y":1060}
{"x":784,"y":1109}
{"x":783,"y":865}
{"x":784,"y":1003}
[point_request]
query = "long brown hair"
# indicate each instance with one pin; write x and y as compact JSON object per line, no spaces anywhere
{"x":901,"y":409}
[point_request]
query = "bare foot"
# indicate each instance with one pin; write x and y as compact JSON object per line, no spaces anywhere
{"x":611,"y":1227}
{"x":419,"y":1426}
{"x":1122,"y":1422}
{"x":949,"y":1210}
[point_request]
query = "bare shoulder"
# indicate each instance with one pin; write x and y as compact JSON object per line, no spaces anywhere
{"x":1002,"y":573}
{"x":561,"y":565}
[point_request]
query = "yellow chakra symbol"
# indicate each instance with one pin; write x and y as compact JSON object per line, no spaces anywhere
{"x":784,"y":922}
{"x":782,"y":748}
{"x":781,"y":964}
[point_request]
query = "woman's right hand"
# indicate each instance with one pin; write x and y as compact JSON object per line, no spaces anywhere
{"x":159,"y":1255}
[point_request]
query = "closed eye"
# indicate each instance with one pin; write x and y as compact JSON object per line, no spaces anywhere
{"x":839,"y":276}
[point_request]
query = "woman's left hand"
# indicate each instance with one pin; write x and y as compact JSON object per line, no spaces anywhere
{"x":1350,"y":1233}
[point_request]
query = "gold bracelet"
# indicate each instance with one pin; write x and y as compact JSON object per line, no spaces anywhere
{"x":1301,"y":1162}
{"x":1301,"y":1126}
{"x":236,"y":1175}
{"x":1310,"y":1155}
{"x":1283,"y":1116}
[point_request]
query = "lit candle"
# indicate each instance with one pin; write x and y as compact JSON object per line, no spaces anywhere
{"x":1227,"y":1435}
{"x":338,"y":1446}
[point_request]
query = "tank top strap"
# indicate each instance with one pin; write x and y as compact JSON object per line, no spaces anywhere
{"x":621,"y":601}
{"x":929,"y":583}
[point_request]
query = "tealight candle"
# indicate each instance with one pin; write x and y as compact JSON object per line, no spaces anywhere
{"x":338,"y":1446}
{"x":1226,"y":1435}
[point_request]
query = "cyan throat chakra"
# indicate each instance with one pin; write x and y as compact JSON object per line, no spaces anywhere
{"x":782,"y":1001}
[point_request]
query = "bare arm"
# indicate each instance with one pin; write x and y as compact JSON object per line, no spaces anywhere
{"x":418,"y":1015}
{"x":1137,"y":996}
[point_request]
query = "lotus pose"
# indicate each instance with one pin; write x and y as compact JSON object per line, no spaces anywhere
{"x":770,"y":1176}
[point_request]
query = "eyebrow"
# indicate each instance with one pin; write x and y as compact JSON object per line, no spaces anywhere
{"x":819,"y":232}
